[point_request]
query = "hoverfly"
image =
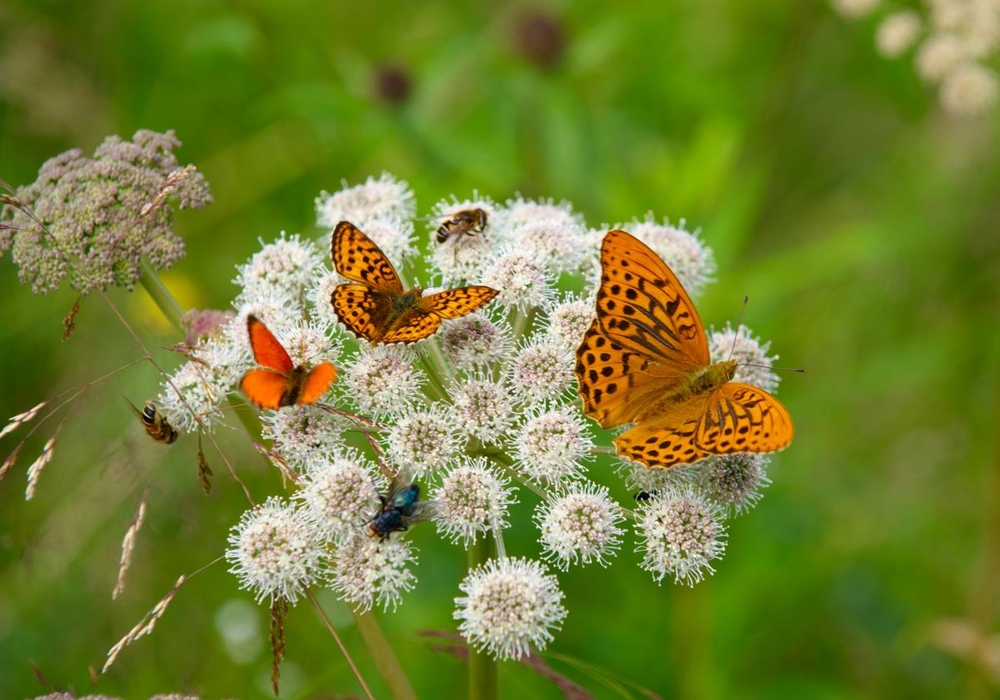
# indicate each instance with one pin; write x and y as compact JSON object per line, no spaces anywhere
{"x":467,"y":221}
{"x":154,"y":422}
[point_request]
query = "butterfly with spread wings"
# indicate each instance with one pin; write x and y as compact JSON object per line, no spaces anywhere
{"x":279,"y":382}
{"x":374,"y":306}
{"x":645,"y":360}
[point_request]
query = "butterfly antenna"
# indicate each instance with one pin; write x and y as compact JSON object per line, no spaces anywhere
{"x":739,"y":325}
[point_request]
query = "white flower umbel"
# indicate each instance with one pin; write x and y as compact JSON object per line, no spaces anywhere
{"x":569,"y":320}
{"x":753,"y":363}
{"x":897,"y":33}
{"x":581,"y":526}
{"x":541,"y":370}
{"x":383,"y":381}
{"x":369,"y":571}
{"x":472,"y":500}
{"x":192,"y":394}
{"x":681,"y":532}
{"x":482,"y":408}
{"x":384,"y":198}
{"x":550,"y":233}
{"x":854,"y":9}
{"x":305,"y":434}
{"x":461,"y":256}
{"x":550,"y":445}
{"x":276,"y":552}
{"x":509,"y":606}
{"x":422,"y":442}
{"x":287,"y":264}
{"x":520,"y":278}
{"x":734,"y":481}
{"x":968,"y":90}
{"x":340,"y":496}
{"x":474,"y":341}
{"x":689,"y":258}
{"x":938,"y":55}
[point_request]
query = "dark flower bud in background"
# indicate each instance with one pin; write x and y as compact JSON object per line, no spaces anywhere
{"x":93,"y":219}
{"x":392,"y":85}
{"x":540,"y":38}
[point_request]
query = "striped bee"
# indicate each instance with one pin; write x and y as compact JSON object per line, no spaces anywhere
{"x":154,"y":422}
{"x":467,"y":221}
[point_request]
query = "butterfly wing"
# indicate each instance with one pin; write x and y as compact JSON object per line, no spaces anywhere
{"x":357,"y":258}
{"x":743,"y":418}
{"x":266,"y":348}
{"x":455,"y":303}
{"x":616,"y":384}
{"x":734,"y":418}
{"x":316,"y":383}
{"x":642,"y":306}
{"x":415,"y":324}
{"x":265,"y":388}
{"x":362,"y":309}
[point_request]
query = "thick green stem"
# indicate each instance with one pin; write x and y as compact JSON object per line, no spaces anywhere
{"x":385,"y":659}
{"x":160,"y":295}
{"x":482,"y":669}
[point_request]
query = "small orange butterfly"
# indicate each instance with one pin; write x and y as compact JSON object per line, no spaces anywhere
{"x":377,"y":308}
{"x":280,"y":383}
{"x":645,"y":360}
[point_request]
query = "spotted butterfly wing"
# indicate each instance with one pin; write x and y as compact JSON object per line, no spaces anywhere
{"x":645,"y":360}
{"x":376,"y":307}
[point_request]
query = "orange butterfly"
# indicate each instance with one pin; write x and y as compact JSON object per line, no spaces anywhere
{"x":377,"y":308}
{"x":645,"y":360}
{"x":280,"y":383}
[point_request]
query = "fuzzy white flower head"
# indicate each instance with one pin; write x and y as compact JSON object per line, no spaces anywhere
{"x":581,"y":526}
{"x":509,"y":606}
{"x":422,"y":442}
{"x":897,"y":33}
{"x":482,"y":408}
{"x":394,"y":237}
{"x":689,"y":258}
{"x":938,"y":55}
{"x":681,"y":534}
{"x":554,"y":240}
{"x":382,"y":380}
{"x":474,"y":341}
{"x":753,"y":362}
{"x":520,"y":278}
{"x":541,"y":370}
{"x":320,"y":295}
{"x":471,"y":500}
{"x":306,"y":343}
{"x":339,"y":496}
{"x":193,"y":393}
{"x":522,"y":212}
{"x":854,"y":9}
{"x":982,"y":32}
{"x":734,"y":481}
{"x":303,"y":434}
{"x":641,"y":479}
{"x":276,"y":552}
{"x":969,"y":90}
{"x":569,"y":320}
{"x":550,"y":445}
{"x":368,"y":571}
{"x":287,"y":264}
{"x":948,"y":15}
{"x":385,"y":197}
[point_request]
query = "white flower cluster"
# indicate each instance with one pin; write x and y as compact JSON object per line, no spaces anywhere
{"x":485,"y":405}
{"x":955,"y":41}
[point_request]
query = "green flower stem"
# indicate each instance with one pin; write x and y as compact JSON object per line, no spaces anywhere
{"x":173,"y":312}
{"x":388,"y":665}
{"x":482,"y":669}
{"x":161,"y":296}
{"x":436,"y":384}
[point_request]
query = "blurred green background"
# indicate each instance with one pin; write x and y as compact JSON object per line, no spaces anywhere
{"x":864,"y":225}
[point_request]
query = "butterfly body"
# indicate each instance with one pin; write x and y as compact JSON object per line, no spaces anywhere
{"x":645,"y":360}
{"x":154,"y":423}
{"x":377,"y":308}
{"x":280,"y":382}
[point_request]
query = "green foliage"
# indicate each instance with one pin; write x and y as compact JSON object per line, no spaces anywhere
{"x":861,"y":222}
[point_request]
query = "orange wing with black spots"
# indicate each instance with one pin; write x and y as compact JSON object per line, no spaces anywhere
{"x":645,"y":360}
{"x":376,"y":307}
